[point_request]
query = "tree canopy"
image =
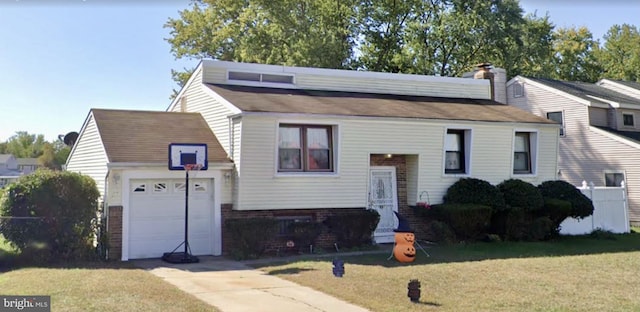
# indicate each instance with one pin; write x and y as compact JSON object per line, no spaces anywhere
{"x":435,"y":37}
{"x":51,"y":155}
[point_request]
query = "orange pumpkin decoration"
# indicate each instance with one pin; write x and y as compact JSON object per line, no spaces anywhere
{"x":404,"y":238}
{"x":404,"y":253}
{"x":403,"y":250}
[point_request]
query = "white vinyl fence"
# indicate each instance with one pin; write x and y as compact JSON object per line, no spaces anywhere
{"x":610,"y":211}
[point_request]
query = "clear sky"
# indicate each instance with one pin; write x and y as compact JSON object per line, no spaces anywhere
{"x":60,"y":58}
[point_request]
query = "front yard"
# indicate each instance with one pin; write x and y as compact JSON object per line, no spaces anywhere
{"x":94,"y":286}
{"x":572,"y":274}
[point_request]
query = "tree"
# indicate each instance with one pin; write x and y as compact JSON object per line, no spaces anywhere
{"x":47,"y":159}
{"x":574,"y":55}
{"x":620,"y":54}
{"x":25,"y":145}
{"x":436,"y":37}
{"x":319,"y":33}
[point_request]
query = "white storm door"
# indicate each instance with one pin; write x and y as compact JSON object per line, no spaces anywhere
{"x":383,"y":197}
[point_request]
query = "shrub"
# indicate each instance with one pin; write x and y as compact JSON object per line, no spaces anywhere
{"x":305,"y":234}
{"x":468,"y":221}
{"x":557,"y":210}
{"x":353,"y":229}
{"x":474,"y":191}
{"x":540,"y":229}
{"x":438,"y":231}
{"x":518,"y":193}
{"x":581,"y":205}
{"x":249,"y":237}
{"x":53,"y":210}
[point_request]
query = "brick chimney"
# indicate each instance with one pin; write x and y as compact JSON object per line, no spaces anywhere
{"x":484,"y":72}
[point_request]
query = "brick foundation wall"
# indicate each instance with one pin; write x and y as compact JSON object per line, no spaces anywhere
{"x":114,"y":232}
{"x":277,"y":244}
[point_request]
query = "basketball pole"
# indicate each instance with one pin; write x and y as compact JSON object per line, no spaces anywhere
{"x":186,"y":214}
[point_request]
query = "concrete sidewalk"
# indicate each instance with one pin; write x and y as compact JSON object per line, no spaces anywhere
{"x":232,"y":286}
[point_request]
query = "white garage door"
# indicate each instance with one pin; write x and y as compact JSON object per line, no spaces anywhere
{"x":156,"y":217}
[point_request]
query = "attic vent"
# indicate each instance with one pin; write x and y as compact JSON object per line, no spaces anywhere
{"x":518,"y":90}
{"x":244,"y":76}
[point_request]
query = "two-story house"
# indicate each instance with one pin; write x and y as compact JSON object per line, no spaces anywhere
{"x":295,"y":143}
{"x":8,"y":169}
{"x":600,"y":134}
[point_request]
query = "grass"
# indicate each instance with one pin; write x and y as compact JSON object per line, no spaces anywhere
{"x":94,"y":286}
{"x":586,"y":273}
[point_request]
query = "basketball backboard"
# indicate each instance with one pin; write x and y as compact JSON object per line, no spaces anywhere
{"x":181,"y":154}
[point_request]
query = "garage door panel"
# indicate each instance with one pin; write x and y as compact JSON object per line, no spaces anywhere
{"x":156,"y":218}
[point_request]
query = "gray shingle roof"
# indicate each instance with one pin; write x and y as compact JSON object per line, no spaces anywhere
{"x":584,"y":89}
{"x":144,"y":136}
{"x":630,"y":84}
{"x":256,"y":99}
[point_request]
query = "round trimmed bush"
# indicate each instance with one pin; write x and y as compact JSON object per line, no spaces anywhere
{"x":581,"y":205}
{"x":475,"y":191}
{"x":518,"y":193}
{"x":54,"y":210}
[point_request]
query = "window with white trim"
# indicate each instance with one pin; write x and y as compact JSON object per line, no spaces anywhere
{"x":613,"y":178}
{"x":524,"y":152}
{"x":627,"y":120}
{"x":456,"y":156}
{"x":305,"y":148}
{"x":557,"y":117}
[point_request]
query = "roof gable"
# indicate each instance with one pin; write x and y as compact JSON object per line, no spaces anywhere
{"x":297,"y":101}
{"x":144,"y":136}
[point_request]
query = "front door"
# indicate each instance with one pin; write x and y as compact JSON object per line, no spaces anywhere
{"x":383,"y":197}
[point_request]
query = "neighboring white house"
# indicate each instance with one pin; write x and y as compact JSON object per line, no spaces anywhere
{"x":27,"y":165}
{"x":600,"y":134}
{"x":8,"y":169}
{"x":306,"y":143}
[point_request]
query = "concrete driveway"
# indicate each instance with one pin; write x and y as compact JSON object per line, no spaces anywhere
{"x":232,"y":286}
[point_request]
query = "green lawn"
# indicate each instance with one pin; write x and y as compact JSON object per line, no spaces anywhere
{"x":93,"y":286}
{"x":570,"y":274}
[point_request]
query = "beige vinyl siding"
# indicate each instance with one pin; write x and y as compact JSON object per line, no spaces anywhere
{"x":425,"y":88}
{"x":352,"y":81}
{"x":213,"y":112}
{"x":598,"y":153}
{"x":262,"y":188}
{"x":89,"y":157}
{"x":598,"y":116}
{"x":214,"y":74}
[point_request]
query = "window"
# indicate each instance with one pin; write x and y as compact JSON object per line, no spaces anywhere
{"x":305,"y":148}
{"x":257,"y":77}
{"x":140,"y":188}
{"x":627,"y":120}
{"x":613,"y":178}
{"x":160,"y":187}
{"x":557,"y":117}
{"x":284,"y":223}
{"x":455,"y":158}
{"x":522,"y":153}
{"x":518,"y":90}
